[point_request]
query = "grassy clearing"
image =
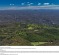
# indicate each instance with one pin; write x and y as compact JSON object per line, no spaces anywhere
{"x":38,"y":43}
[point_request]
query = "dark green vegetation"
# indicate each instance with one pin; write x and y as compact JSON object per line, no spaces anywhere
{"x":23,"y":34}
{"x":29,"y":27}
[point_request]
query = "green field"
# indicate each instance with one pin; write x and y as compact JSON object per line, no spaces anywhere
{"x":38,"y":43}
{"x":23,"y":34}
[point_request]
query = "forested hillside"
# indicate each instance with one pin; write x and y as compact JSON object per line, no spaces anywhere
{"x":23,"y":34}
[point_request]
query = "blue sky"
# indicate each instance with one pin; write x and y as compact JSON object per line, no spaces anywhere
{"x":18,"y":2}
{"x":24,"y":4}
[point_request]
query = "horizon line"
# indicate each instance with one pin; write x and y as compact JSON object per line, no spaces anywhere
{"x":29,"y":7}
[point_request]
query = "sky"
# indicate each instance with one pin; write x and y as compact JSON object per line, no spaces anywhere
{"x":12,"y":4}
{"x":18,"y":2}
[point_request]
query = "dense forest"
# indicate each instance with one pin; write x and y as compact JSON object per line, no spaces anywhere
{"x":23,"y":34}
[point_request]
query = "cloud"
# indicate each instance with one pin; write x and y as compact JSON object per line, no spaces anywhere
{"x":12,"y":4}
{"x":39,"y":3}
{"x":31,"y":3}
{"x":46,"y":4}
{"x":22,"y":3}
{"x":28,"y":2}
